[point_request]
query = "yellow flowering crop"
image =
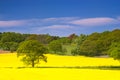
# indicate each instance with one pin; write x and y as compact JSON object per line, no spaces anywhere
{"x":11,"y":68}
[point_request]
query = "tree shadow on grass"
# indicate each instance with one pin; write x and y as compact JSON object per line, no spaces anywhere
{"x":72,"y":67}
{"x":109,"y":67}
{"x":79,"y":67}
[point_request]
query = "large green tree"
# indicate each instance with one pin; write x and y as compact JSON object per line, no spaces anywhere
{"x":32,"y":52}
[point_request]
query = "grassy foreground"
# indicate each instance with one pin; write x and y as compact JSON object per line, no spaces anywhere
{"x":11,"y":68}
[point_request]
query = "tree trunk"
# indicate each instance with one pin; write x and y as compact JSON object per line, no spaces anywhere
{"x":33,"y":64}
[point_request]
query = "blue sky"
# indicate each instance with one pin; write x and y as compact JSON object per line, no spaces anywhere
{"x":59,"y":17}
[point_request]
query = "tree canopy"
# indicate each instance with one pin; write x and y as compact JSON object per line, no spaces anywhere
{"x":94,"y":44}
{"x":55,"y":46}
{"x":114,"y":50}
{"x":32,"y":52}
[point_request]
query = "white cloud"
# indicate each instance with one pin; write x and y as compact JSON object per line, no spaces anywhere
{"x":11,"y":23}
{"x":59,"y":23}
{"x":53,"y":27}
{"x":59,"y":27}
{"x":94,"y":21}
{"x":60,"y":19}
{"x":36,"y":22}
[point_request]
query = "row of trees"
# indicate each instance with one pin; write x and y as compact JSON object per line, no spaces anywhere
{"x":94,"y":44}
{"x":10,"y":40}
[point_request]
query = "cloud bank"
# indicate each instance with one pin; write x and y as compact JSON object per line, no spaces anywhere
{"x":63,"y":25}
{"x":95,"y":21}
{"x":60,"y":21}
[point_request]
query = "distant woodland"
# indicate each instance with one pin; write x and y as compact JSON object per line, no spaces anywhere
{"x":95,"y":44}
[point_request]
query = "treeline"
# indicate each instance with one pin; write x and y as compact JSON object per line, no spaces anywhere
{"x":10,"y":41}
{"x":95,"y":44}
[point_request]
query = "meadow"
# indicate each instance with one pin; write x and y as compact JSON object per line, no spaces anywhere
{"x":59,"y":68}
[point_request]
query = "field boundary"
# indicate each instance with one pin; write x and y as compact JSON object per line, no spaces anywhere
{"x":73,"y":67}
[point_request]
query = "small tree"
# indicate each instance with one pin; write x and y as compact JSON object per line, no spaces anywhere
{"x":32,"y":51}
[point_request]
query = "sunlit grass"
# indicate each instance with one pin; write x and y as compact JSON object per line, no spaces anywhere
{"x":10,"y":68}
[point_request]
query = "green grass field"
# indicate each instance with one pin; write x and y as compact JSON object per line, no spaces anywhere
{"x":59,"y":68}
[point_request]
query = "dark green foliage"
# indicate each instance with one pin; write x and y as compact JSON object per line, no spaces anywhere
{"x":14,"y":46}
{"x":9,"y":46}
{"x":75,"y":51}
{"x":42,"y":38}
{"x":89,"y":47}
{"x":10,"y":41}
{"x":32,"y":51}
{"x":56,"y":47}
{"x":12,"y":37}
{"x":104,"y":42}
{"x":78,"y":42}
{"x":0,"y":35}
{"x":32,"y":37}
{"x":114,"y":50}
{"x":46,"y":38}
{"x":96,"y":44}
{"x":64,"y":40}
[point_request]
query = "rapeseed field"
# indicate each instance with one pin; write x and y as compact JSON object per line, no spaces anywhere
{"x":11,"y":68}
